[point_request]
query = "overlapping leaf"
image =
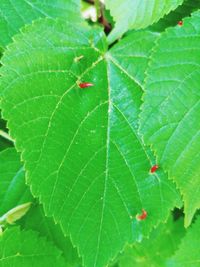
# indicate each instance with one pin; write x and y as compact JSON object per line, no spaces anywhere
{"x":83,"y":156}
{"x":176,"y":15}
{"x":25,"y":248}
{"x":189,"y":253}
{"x":14,"y":192}
{"x":37,"y":221}
{"x":12,"y":182}
{"x":15,"y":14}
{"x":170,"y":119}
{"x":162,"y":244}
{"x":137,"y":14}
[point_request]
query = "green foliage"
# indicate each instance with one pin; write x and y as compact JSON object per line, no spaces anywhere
{"x":170,"y":117}
{"x":84,"y":155}
{"x":155,"y":250}
{"x":27,"y":249}
{"x":13,"y":215}
{"x":15,"y":192}
{"x":178,"y":14}
{"x":137,"y":14}
{"x":12,"y":183}
{"x":15,"y":14}
{"x":188,"y":252}
{"x":79,"y":186}
{"x":36,"y":221}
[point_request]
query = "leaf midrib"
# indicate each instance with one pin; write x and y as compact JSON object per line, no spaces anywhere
{"x":107,"y":169}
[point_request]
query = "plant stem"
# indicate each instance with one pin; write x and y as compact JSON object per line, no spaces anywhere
{"x":89,"y":1}
{"x":98,"y":7}
{"x":6,"y":136}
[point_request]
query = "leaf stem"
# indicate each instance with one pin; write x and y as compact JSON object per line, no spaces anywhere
{"x":6,"y":136}
{"x":98,"y":7}
{"x":89,"y":1}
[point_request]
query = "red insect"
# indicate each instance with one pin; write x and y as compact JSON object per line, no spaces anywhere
{"x":85,"y":85}
{"x":154,"y":168}
{"x":180,"y":23}
{"x":142,"y":216}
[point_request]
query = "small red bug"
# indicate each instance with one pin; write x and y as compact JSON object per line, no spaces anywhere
{"x":180,"y":23}
{"x":154,"y":168}
{"x":142,"y":216}
{"x":85,"y":85}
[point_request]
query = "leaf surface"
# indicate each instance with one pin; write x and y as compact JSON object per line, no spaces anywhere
{"x":12,"y":182}
{"x":188,"y":253}
{"x":15,"y":14}
{"x":14,"y":192}
{"x":170,"y":120}
{"x":137,"y":14}
{"x":83,"y":155}
{"x":25,"y":248}
{"x":37,"y":221}
{"x":162,"y":244}
{"x":176,"y":15}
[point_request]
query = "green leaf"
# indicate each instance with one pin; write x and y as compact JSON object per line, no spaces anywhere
{"x":188,"y":253}
{"x":162,"y":244}
{"x":14,"y":192}
{"x":25,"y":248}
{"x":15,"y":214}
{"x":132,"y":55}
{"x":15,"y":14}
{"x":175,"y":16}
{"x":83,"y":155}
{"x":170,"y":120}
{"x":37,"y":221}
{"x":12,"y":182}
{"x":137,"y":14}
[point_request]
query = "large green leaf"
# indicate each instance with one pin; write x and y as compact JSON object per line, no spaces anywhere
{"x":162,"y":244}
{"x":137,"y":14}
{"x":170,"y":120}
{"x":188,"y":254}
{"x":83,"y":155}
{"x":15,"y":14}
{"x":26,"y":249}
